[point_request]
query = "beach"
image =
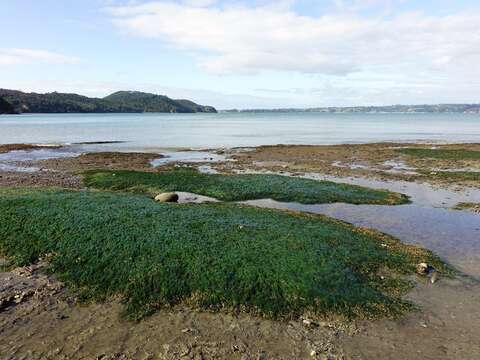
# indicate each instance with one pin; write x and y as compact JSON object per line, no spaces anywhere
{"x":437,"y":178}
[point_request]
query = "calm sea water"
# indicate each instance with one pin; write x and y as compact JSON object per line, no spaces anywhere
{"x":152,"y":131}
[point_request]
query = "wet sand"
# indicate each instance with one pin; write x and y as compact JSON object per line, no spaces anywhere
{"x":50,"y":323}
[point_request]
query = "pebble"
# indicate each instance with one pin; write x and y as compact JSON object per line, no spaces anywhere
{"x":310,"y":323}
{"x":422,"y":268}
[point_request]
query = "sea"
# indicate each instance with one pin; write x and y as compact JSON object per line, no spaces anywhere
{"x":150,"y":131}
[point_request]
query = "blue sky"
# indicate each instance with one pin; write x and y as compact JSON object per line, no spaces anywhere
{"x":244,"y":54}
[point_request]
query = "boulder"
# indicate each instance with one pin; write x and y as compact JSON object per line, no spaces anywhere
{"x":167,"y":197}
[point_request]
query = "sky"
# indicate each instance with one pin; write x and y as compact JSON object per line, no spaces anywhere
{"x":247,"y":53}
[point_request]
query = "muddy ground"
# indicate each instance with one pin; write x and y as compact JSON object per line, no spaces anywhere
{"x":381,"y":161}
{"x":40,"y":318}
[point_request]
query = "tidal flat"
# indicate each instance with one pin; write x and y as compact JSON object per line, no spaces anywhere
{"x":234,"y":280}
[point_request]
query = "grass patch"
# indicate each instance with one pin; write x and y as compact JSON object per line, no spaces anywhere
{"x":475,"y":207}
{"x":240,"y":187}
{"x":213,"y":256}
{"x":447,"y":154}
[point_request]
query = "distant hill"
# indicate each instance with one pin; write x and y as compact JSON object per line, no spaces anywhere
{"x":440,"y":108}
{"x":6,"y":107}
{"x":119,"y":102}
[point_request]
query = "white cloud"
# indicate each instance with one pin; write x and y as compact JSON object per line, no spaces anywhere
{"x":242,"y":39}
{"x":199,"y":3}
{"x":14,"y":56}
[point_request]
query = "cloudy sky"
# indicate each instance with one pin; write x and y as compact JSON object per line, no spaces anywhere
{"x":246,"y":53}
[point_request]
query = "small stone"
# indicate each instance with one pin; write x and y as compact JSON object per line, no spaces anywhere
{"x":313,"y":353}
{"x":309,"y":323}
{"x":422,"y":268}
{"x":167,"y":197}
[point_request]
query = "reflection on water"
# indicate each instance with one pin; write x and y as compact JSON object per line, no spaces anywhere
{"x":38,"y":154}
{"x":207,"y":169}
{"x":187,"y":157}
{"x":420,"y":194}
{"x":16,"y":168}
{"x":13,"y":161}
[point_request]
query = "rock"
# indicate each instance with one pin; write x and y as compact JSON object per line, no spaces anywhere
{"x":425,"y":269}
{"x":434,"y":277}
{"x":166,"y":197}
{"x":422,"y":268}
{"x":309,"y":323}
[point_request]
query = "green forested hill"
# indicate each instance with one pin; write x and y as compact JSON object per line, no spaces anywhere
{"x":122,"y":101}
{"x":5,"y":107}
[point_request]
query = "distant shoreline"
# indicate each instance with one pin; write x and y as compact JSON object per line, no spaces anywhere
{"x":259,"y":111}
{"x":390,"y":109}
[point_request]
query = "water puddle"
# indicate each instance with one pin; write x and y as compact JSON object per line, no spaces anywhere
{"x":399,"y":167}
{"x":469,"y":170}
{"x":14,"y":161}
{"x":15,"y":168}
{"x":207,"y":169}
{"x":420,"y":194}
{"x":37,"y":154}
{"x":191,"y":198}
{"x":188,"y":157}
{"x":352,"y":166}
{"x":389,"y":166}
